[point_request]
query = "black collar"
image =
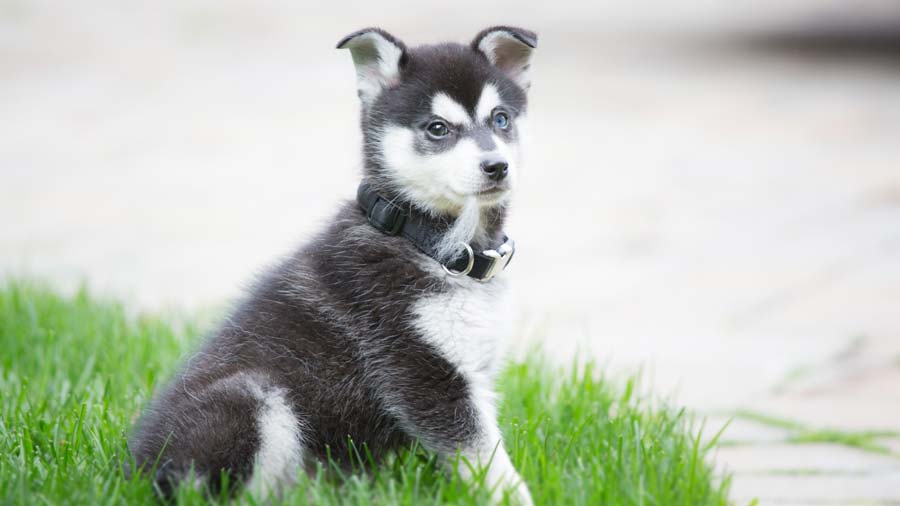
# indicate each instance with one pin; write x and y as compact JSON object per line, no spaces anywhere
{"x":424,"y":234}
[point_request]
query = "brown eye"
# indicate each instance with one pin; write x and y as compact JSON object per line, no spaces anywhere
{"x":438,"y":129}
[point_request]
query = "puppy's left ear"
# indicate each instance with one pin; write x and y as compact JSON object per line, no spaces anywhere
{"x":509,"y":49}
{"x":378,"y":57}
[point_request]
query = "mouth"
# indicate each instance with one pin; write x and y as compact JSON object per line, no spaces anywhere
{"x":496,"y":190}
{"x":492,"y":195}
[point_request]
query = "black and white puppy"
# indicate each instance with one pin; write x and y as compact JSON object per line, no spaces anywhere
{"x":386,"y":328}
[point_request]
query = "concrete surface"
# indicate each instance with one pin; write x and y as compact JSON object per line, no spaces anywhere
{"x":713,"y":191}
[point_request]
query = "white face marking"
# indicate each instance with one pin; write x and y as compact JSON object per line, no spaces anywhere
{"x":440,"y":182}
{"x":488,"y":100}
{"x":445,"y":180}
{"x":444,"y":106}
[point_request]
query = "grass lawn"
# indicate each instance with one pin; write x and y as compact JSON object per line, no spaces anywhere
{"x":75,"y":371}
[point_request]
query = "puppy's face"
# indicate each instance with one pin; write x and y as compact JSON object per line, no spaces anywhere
{"x":442,"y":128}
{"x":443,"y":150}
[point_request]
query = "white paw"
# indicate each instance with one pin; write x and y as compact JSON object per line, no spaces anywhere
{"x":520,"y":495}
{"x":509,"y":484}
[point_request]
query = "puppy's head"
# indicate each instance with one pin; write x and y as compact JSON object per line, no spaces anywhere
{"x":442,"y":123}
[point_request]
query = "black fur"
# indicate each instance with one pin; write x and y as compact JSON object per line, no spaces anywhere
{"x":330,"y":327}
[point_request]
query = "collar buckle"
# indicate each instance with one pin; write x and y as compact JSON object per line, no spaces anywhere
{"x":499,"y":259}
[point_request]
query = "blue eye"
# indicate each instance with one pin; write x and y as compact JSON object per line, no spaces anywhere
{"x":501,"y":120}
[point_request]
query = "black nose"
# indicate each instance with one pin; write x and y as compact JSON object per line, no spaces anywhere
{"x":495,"y":170}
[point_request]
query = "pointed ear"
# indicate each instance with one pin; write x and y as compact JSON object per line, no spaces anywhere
{"x":509,"y":49}
{"x":378,"y":57}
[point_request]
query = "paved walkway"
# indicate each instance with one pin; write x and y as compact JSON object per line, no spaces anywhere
{"x":723,"y":211}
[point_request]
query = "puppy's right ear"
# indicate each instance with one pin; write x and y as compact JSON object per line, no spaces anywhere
{"x":378,"y":57}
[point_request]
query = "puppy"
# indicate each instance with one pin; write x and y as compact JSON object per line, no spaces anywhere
{"x":385,"y":328}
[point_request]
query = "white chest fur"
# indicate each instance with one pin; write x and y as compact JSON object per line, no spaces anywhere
{"x":469,"y":324}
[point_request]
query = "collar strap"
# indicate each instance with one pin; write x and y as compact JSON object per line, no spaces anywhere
{"x":391,"y":219}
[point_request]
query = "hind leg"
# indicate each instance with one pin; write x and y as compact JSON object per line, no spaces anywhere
{"x":240,"y":426}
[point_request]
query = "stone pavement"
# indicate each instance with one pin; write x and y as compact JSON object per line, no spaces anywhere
{"x":713,"y":193}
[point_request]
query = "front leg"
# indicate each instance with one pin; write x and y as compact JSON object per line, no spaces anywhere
{"x":487,"y":450}
{"x":447,"y":413}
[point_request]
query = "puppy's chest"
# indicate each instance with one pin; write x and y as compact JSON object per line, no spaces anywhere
{"x":468,"y":324}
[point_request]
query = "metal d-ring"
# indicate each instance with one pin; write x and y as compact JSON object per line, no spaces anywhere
{"x":469,"y":266}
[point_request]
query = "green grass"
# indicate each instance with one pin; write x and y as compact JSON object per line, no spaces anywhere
{"x":74,"y":373}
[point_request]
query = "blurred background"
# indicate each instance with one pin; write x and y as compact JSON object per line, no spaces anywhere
{"x":712,"y":190}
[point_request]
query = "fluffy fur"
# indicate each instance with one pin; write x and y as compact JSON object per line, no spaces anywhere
{"x":358,"y":337}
